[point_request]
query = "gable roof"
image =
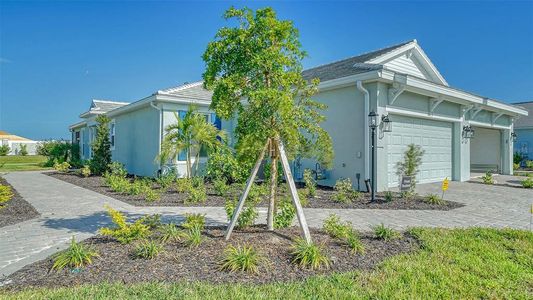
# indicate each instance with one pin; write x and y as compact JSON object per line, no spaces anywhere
{"x":194,"y":90}
{"x":101,"y":107}
{"x":525,"y":122}
{"x":374,"y":60}
{"x":4,"y":135}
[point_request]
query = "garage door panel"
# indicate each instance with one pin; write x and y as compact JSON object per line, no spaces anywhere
{"x":435,"y":138}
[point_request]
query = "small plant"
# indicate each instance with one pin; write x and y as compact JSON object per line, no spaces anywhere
{"x":220,"y":186}
{"x":151,"y":195}
{"x":124,"y":232}
{"x":240,"y":258}
{"x":529,"y":164}
{"x":197,"y":192}
{"x":166,"y":181}
{"x":285,"y":213}
{"x":385,"y":233}
{"x":527,"y":183}
{"x":62,"y":167}
{"x":4,"y":150}
{"x":354,"y":243}
{"x":152,"y":221}
{"x":309,"y":254}
{"x":407,"y":195}
{"x":193,"y":236}
{"x":117,"y":183}
{"x":116,"y":168}
{"x":147,"y":249}
{"x":85,"y":171}
{"x":389,"y":196}
{"x":310,"y":183}
{"x":23,"y":150}
{"x":194,"y":221}
{"x":183,"y":185}
{"x":136,"y":187}
{"x":516,"y":166}
{"x":246,"y":217}
{"x":170,"y":232}
{"x":410,"y":166}
{"x":488,"y":178}
{"x":76,"y":255}
{"x":344,"y":192}
{"x":433,"y":199}
{"x":6,"y":193}
{"x":302,"y":195}
{"x":335,"y":228}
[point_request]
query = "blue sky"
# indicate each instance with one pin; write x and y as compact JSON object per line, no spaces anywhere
{"x":57,"y":56}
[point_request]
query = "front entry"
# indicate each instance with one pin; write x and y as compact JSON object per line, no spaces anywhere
{"x":485,"y":150}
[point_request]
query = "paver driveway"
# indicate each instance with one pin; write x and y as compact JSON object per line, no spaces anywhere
{"x":67,"y":210}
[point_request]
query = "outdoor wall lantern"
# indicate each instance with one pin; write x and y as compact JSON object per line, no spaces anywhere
{"x":468,"y":132}
{"x":387,"y":123}
{"x":513,"y":137}
{"x":372,"y":123}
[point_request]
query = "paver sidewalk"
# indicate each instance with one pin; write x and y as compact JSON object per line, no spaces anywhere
{"x":67,"y":210}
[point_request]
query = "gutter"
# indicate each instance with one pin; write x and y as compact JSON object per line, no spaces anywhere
{"x":362,"y":89}
{"x":160,"y":128}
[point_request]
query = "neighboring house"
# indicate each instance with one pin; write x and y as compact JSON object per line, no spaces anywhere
{"x":14,"y":142}
{"x":524,"y":132}
{"x":399,"y":83}
{"x":137,"y":128}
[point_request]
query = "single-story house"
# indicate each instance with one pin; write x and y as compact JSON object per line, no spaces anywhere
{"x":523,"y":128}
{"x":14,"y":142}
{"x":459,"y":131}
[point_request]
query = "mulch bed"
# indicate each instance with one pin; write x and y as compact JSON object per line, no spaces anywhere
{"x":15,"y":210}
{"x":180,"y":263}
{"x":323,"y":199}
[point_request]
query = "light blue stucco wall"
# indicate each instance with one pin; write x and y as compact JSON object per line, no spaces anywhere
{"x":524,"y":142}
{"x":137,"y":141}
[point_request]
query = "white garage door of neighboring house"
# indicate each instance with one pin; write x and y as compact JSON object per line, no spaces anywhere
{"x":435,"y":138}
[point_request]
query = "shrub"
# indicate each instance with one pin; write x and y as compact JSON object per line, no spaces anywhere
{"x":101,"y":147}
{"x":309,"y":254}
{"x":6,"y":193}
{"x":136,"y":187}
{"x":385,"y":233}
{"x":147,"y":249}
{"x":124,"y":232}
{"x":408,"y":195}
{"x":23,"y":150}
{"x":240,"y":258}
{"x":117,"y":169}
{"x":117,"y":184}
{"x":302,"y":194}
{"x":62,"y":167}
{"x":76,"y":255}
{"x":310,"y":183}
{"x":85,"y":171}
{"x":389,"y":196}
{"x":151,"y":195}
{"x":527,"y":183}
{"x":354,"y":243}
{"x":4,"y":150}
{"x":488,"y":178}
{"x":335,"y":228}
{"x":165,"y":181}
{"x":247,"y":216}
{"x":529,"y":164}
{"x":183,"y":185}
{"x":285,"y":213}
{"x":516,"y":166}
{"x":197,"y":192}
{"x":152,"y":221}
{"x":58,"y":151}
{"x":194,"y":220}
{"x":344,"y":192}
{"x":193,"y":236}
{"x":170,"y":232}
{"x":220,"y":186}
{"x":517,"y":158}
{"x":433,"y":199}
{"x":222,"y":164}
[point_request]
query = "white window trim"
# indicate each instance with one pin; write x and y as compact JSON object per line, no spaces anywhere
{"x":112,"y":135}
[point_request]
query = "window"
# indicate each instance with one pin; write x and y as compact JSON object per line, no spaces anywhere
{"x":112,"y":135}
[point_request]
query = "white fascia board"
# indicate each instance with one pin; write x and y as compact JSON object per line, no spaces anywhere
{"x":348,"y":80}
{"x":131,"y":107}
{"x":488,"y":125}
{"x":429,"y":64}
{"x":181,"y":100}
{"x":410,"y":113}
{"x":503,"y":106}
{"x":77,"y":125}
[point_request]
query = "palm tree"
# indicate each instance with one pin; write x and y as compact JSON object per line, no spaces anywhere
{"x":191,"y":134}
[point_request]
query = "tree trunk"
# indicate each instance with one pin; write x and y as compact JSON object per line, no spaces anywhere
{"x":273,"y":184}
{"x":188,"y":163}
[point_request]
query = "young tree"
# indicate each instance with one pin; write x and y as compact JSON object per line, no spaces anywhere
{"x":190,"y":134}
{"x":23,"y":149}
{"x":255,"y":71}
{"x":101,"y":147}
{"x":410,"y":166}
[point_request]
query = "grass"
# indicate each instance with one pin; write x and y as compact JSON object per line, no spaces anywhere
{"x":452,"y":264}
{"x":240,"y":258}
{"x":13,"y":163}
{"x":76,"y":256}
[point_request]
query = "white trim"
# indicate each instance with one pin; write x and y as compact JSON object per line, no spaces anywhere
{"x":486,"y":125}
{"x":348,"y":80}
{"x":395,"y":91}
{"x":404,"y":112}
{"x":112,"y":133}
{"x":474,"y":113}
{"x":495,"y":117}
{"x":434,"y":103}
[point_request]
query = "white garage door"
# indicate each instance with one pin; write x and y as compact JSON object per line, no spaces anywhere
{"x":435,"y":138}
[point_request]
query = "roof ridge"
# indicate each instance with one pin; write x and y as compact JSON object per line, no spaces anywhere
{"x":365,"y":53}
{"x":181,"y":87}
{"x":109,"y":101}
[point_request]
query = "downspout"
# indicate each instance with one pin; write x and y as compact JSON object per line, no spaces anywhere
{"x":160,"y":129}
{"x":367,"y":134}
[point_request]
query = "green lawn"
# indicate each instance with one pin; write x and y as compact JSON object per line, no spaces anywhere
{"x":22,"y":163}
{"x":452,"y":264}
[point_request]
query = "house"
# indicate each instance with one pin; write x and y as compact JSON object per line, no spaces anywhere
{"x":137,"y":128}
{"x":523,"y":128}
{"x":459,"y":131}
{"x":14,"y":142}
